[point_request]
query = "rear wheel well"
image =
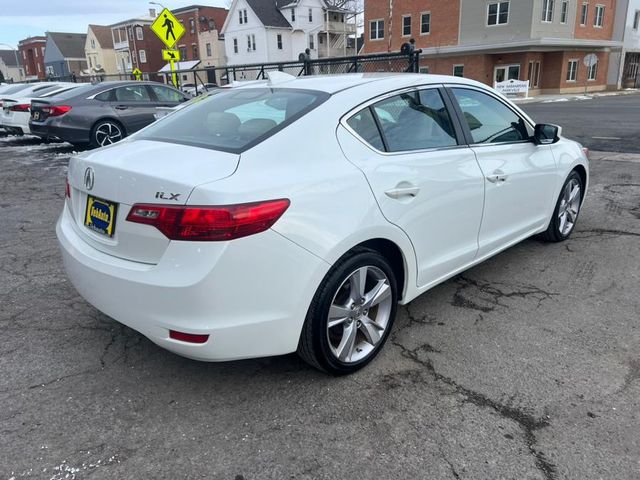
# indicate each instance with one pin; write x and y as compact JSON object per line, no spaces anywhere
{"x":580,"y":170}
{"x":393,"y":254}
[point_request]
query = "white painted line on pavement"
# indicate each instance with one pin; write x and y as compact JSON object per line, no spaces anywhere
{"x":606,"y":138}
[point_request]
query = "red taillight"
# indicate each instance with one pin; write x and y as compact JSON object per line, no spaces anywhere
{"x":188,"y":337}
{"x":21,"y":107}
{"x":68,"y":188}
{"x":56,"y":110}
{"x":219,"y":223}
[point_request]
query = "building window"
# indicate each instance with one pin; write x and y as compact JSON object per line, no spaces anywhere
{"x":424,"y":69}
{"x":312,"y":45}
{"x":572,"y":71}
{"x":498,"y":13}
{"x":130,"y":33}
{"x":376,"y":29}
{"x":139,"y":33}
{"x":425,"y":23}
{"x":534,"y":74}
{"x":143,"y":56}
{"x":547,"y":10}
{"x":242,"y":16}
{"x":93,"y":45}
{"x":192,"y":25}
{"x":194,"y":50}
{"x":183,"y":52}
{"x":406,"y":25}
{"x":235,"y":45}
{"x":208,"y":47}
{"x":598,"y":21}
{"x":592,"y":72}
{"x":311,"y":15}
{"x":251,"y":43}
{"x":35,"y":50}
{"x":293,"y":14}
{"x":458,"y":70}
{"x":279,"y":40}
{"x":584,"y":14}
{"x":636,"y":20}
{"x":564,"y":11}
{"x":38,"y":67}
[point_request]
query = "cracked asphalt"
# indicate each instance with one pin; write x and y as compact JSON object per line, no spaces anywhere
{"x":525,"y":367}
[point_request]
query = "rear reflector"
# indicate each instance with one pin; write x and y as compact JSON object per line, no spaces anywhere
{"x":188,"y":337}
{"x":56,"y":110}
{"x":21,"y":107}
{"x":220,"y":223}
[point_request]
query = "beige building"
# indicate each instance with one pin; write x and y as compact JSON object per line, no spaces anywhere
{"x":101,"y":57}
{"x":211,"y":49}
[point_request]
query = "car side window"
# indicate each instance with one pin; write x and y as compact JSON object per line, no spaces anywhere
{"x":364,"y":125}
{"x":165,"y":94}
{"x":489,"y":120}
{"x":104,"y":96}
{"x":132,"y":93}
{"x":408,"y":124}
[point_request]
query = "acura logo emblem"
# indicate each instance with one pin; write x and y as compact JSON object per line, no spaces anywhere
{"x":88,"y":178}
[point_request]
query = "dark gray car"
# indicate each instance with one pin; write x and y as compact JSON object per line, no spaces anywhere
{"x":101,"y":114}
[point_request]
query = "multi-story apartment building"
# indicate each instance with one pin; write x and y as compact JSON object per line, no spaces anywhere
{"x":624,"y":65}
{"x":98,"y":49}
{"x":202,"y":39}
{"x":543,"y":41}
{"x":31,"y":50}
{"x":136,"y":46}
{"x":259,"y":31}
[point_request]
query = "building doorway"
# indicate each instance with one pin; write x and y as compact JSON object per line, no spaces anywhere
{"x":506,"y":72}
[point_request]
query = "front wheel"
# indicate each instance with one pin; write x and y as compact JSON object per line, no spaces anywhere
{"x":565,"y":215}
{"x":351,"y":314}
{"x":106,"y":132}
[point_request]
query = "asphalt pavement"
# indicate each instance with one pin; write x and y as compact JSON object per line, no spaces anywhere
{"x":524,"y":367}
{"x":609,"y":123}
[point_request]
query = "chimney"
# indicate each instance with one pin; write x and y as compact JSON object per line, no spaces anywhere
{"x":152,"y":12}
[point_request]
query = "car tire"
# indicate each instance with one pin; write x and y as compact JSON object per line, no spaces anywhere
{"x":565,"y":214}
{"x":351,"y":314}
{"x":106,"y":132}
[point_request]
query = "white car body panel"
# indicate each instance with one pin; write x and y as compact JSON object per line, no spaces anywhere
{"x":251,"y":295}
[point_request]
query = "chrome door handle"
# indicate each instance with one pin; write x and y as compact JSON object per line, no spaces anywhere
{"x":497,"y":177}
{"x":400,"y":192}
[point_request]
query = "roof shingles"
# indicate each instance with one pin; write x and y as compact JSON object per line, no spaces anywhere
{"x":71,"y":45}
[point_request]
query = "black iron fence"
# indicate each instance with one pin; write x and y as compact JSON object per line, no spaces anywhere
{"x":384,"y":62}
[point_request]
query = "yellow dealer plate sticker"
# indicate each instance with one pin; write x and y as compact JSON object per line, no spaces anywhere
{"x":101,"y":216}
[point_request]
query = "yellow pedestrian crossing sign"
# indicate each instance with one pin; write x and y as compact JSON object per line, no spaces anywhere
{"x":168,"y":28}
{"x":138,"y":74}
{"x":171,"y":55}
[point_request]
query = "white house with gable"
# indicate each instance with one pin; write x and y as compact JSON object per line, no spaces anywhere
{"x":264,"y":31}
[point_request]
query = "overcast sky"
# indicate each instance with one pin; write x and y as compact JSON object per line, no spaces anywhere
{"x":23,"y":18}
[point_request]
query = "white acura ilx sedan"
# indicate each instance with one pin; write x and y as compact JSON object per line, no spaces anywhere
{"x":294,"y":214}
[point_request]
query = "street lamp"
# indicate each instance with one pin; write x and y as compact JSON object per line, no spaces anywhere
{"x":15,"y":52}
{"x":159,"y":4}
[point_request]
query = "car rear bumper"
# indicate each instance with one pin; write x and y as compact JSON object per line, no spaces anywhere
{"x":249,"y":295}
{"x":53,"y":131}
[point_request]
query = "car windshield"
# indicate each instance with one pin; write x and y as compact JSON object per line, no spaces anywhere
{"x":234,"y":120}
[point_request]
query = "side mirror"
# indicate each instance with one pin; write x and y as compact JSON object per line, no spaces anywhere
{"x":546,"y":134}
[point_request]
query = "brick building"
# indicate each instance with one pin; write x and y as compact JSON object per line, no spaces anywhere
{"x":31,"y":50}
{"x":543,"y":41}
{"x":136,"y":46}
{"x":202,"y":40}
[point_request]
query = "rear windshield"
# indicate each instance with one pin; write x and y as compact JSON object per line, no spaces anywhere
{"x":234,"y":120}
{"x":14,"y":89}
{"x":75,"y":91}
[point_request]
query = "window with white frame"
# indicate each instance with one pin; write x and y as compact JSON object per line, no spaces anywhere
{"x":93,"y":45}
{"x":208,"y":47}
{"x":584,"y":14}
{"x":598,"y":21}
{"x":636,"y":20}
{"x":192,"y":25}
{"x":406,"y":25}
{"x":425,"y":23}
{"x":497,"y":13}
{"x":242,"y":16}
{"x":143,"y":56}
{"x":312,"y":43}
{"x":572,"y":71}
{"x":592,"y":72}
{"x":458,"y":70}
{"x":310,"y":15}
{"x":279,"y":41}
{"x":564,"y":11}
{"x":251,"y":43}
{"x":293,"y":14}
{"x":547,"y":10}
{"x":376,"y":29}
{"x":139,"y":33}
{"x":534,"y":74}
{"x":235,"y":45}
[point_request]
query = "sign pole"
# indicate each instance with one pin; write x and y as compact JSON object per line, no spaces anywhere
{"x":169,"y":30}
{"x":174,"y":77}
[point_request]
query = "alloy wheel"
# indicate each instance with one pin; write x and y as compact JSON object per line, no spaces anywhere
{"x":569,"y":207}
{"x":359,"y":314}
{"x":108,"y":133}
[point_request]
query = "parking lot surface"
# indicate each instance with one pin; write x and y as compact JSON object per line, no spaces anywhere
{"x":525,"y":367}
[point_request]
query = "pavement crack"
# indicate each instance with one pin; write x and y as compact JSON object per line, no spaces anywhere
{"x":600,"y":232}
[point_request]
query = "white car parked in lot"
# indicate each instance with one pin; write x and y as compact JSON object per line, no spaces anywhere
{"x":295,"y":214}
{"x":16,"y":107}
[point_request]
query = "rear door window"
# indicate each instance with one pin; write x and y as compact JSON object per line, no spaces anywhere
{"x":132,"y":93}
{"x":365,"y":126}
{"x":166,"y":94}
